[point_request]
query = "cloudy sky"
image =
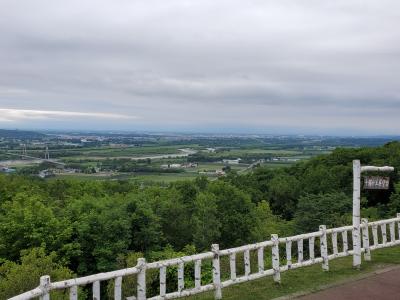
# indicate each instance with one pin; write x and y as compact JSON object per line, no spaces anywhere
{"x":299,"y":66}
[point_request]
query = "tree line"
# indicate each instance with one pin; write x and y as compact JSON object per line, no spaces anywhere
{"x":70,"y":227}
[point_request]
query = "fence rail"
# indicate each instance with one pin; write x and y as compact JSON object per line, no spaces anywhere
{"x":333,"y":243}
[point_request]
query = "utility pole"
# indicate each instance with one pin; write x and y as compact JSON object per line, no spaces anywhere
{"x":357,"y":170}
{"x":47,"y":154}
{"x":23,"y":151}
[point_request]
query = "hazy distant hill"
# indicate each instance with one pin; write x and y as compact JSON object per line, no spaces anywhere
{"x":20,"y":134}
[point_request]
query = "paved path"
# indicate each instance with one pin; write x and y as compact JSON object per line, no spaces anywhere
{"x":382,"y":286}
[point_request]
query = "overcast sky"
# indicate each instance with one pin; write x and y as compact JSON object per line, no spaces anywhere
{"x":300,"y":66}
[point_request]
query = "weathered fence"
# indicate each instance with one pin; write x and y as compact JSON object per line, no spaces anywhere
{"x":329,"y":243}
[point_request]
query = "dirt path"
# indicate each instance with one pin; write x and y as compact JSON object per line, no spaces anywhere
{"x":383,"y":286}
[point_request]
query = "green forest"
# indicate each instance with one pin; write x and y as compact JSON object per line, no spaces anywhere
{"x":67,"y":228}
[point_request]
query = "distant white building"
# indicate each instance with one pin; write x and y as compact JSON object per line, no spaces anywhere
{"x":175,"y":166}
{"x":231,"y":161}
{"x":220,"y":173}
{"x":190,"y":165}
{"x":171,"y":166}
{"x":46,"y":173}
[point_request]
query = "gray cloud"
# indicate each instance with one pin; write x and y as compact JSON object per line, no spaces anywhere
{"x":195,"y":64}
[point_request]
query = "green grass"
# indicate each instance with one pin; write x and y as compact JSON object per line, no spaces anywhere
{"x":164,"y":177}
{"x":275,"y":165}
{"x":306,"y":279}
{"x":212,"y":166}
{"x":115,"y":152}
{"x":157,"y":177}
{"x":269,"y":151}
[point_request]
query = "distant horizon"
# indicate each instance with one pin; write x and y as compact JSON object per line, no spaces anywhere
{"x":198,"y":132}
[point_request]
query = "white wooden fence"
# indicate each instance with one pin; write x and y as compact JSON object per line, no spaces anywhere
{"x":328,"y":249}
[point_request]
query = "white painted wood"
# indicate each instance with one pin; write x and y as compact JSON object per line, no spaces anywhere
{"x":181,"y":279}
{"x":249,"y":278}
{"x":163,"y":281}
{"x":339,"y":229}
{"x":345,"y":242}
{"x":289,"y":254}
{"x":373,"y":168}
{"x":388,"y":244}
{"x":295,"y":238}
{"x":86,"y":280}
{"x":386,"y":221}
{"x":96,"y":290}
{"x":375,"y":234}
{"x":118,"y":288}
{"x":44,"y":285}
{"x":246,"y":257}
{"x":197,"y":274}
{"x":175,"y":261}
{"x":245,"y":247}
{"x":365,"y":234}
{"x":356,"y":213}
{"x":216,"y":272}
{"x":232,"y":265}
{"x":260,"y":259}
{"x":311,"y":243}
{"x":275,"y":258}
{"x":398,"y":226}
{"x":392,"y":232}
{"x":334,"y":243}
{"x":300,"y":250}
{"x":141,"y":279}
{"x":324,"y":248}
{"x":183,"y":294}
{"x":73,"y":293}
{"x":383,"y":231}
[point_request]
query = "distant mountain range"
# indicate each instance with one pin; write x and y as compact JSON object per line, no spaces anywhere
{"x":20,"y":134}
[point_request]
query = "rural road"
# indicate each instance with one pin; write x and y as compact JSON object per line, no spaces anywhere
{"x":383,"y":286}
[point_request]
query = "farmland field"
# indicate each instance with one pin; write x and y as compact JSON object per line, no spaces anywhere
{"x":160,"y":162}
{"x":161,"y":158}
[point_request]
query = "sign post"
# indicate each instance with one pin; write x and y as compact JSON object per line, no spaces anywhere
{"x":376,"y":184}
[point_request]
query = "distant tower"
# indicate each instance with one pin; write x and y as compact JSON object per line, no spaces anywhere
{"x":47,"y":154}
{"x":23,"y":151}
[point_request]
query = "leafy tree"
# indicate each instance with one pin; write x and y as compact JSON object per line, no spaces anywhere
{"x":174,"y":214}
{"x":17,"y":278}
{"x":283,"y":193}
{"x":332,"y":210}
{"x":394,"y":202}
{"x":234,"y":213}
{"x":26,"y":222}
{"x":206,"y":225}
{"x":266,"y":223}
{"x":102,"y":229}
{"x":145,"y":227}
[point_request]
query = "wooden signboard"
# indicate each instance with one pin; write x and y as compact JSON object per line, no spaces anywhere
{"x":376,"y":183}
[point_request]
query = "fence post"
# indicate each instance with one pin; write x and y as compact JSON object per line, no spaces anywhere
{"x":275,"y":257}
{"x":216,"y":272}
{"x":44,"y":286}
{"x":289,"y":254}
{"x":356,"y":214}
{"x":260,"y":259}
{"x":118,"y":288}
{"x":398,"y":225}
{"x":324,"y":248}
{"x":365,"y":235}
{"x":141,"y":279}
